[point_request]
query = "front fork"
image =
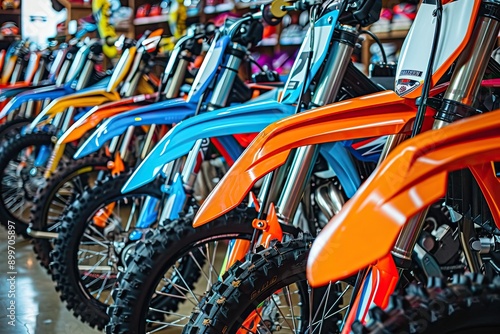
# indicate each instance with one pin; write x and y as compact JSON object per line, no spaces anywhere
{"x":457,"y":103}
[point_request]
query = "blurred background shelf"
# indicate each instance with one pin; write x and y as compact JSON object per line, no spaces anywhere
{"x":150,"y":19}
{"x":10,"y":11}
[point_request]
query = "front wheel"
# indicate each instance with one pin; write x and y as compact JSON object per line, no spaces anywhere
{"x":23,"y":160}
{"x":93,"y":243}
{"x":269,"y":293}
{"x":171,"y":271}
{"x":62,"y":188}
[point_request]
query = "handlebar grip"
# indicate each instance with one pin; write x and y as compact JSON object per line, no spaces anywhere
{"x":274,"y":12}
{"x":269,"y":18}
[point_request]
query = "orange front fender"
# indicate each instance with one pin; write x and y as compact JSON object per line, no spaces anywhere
{"x":373,"y":115}
{"x":88,"y":98}
{"x":88,"y":121}
{"x":413,"y":177}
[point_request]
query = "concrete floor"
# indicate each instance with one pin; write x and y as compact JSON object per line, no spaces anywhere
{"x":38,"y":309}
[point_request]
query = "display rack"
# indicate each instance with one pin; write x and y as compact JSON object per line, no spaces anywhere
{"x":77,"y":10}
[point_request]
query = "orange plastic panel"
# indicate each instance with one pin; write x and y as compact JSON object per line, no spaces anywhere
{"x":99,"y":113}
{"x":369,"y":116}
{"x":413,"y":177}
{"x":79,"y":100}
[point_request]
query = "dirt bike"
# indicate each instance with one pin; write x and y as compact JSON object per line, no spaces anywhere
{"x":416,"y":174}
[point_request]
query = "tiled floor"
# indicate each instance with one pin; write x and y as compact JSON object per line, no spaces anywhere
{"x":38,"y":308}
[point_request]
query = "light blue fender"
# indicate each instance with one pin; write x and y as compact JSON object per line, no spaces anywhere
{"x":248,"y":117}
{"x":341,"y":162}
{"x":165,"y":112}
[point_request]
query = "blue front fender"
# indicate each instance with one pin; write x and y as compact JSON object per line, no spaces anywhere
{"x":50,"y":92}
{"x":166,"y":112}
{"x":10,"y":92}
{"x":245,"y":118}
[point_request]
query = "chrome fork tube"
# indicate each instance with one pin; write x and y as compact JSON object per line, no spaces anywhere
{"x":299,"y":174}
{"x":61,"y":77}
{"x":226,"y":78}
{"x":472,"y":63}
{"x":16,"y":74}
{"x":126,"y":141}
{"x":148,"y":142}
{"x":277,"y":179}
{"x":408,"y":238}
{"x":220,"y":95}
{"x":39,"y":73}
{"x":173,"y":85}
{"x":328,"y":86}
{"x":85,"y":76}
{"x":114,"y":144}
{"x":462,"y":91}
{"x":30,"y":105}
{"x":470,"y":67}
{"x":188,"y":174}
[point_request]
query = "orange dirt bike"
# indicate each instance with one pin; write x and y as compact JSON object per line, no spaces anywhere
{"x":387,"y":113}
{"x":25,"y":156}
{"x":67,"y":180}
{"x":367,"y":233}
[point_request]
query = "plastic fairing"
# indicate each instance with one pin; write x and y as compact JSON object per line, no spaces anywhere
{"x":372,"y":115}
{"x":12,"y":91}
{"x":413,"y":177}
{"x":91,"y":96}
{"x":341,"y":162}
{"x":49,"y":92}
{"x":95,"y":115}
{"x":245,"y":118}
{"x":166,"y":112}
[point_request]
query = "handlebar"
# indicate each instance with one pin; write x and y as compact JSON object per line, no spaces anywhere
{"x":362,"y":12}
